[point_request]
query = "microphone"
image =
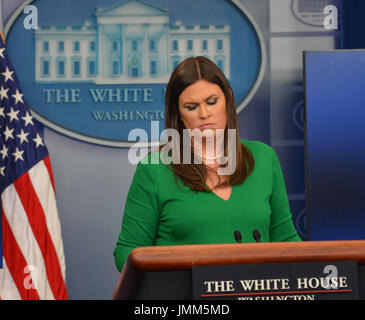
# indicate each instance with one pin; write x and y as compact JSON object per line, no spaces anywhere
{"x":256,"y":235}
{"x":238,"y":236}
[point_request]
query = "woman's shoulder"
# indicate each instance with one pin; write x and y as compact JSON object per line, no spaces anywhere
{"x":153,"y":163}
{"x":151,"y":157}
{"x":257,"y":147}
{"x":154,"y":168}
{"x":263,"y":154}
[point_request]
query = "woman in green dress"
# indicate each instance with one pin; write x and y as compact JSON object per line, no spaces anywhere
{"x":197,"y":202}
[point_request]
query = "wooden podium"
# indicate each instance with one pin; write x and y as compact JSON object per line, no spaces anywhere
{"x":164,"y":272}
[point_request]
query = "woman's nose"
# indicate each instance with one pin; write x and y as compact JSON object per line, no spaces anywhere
{"x":203,"y":111}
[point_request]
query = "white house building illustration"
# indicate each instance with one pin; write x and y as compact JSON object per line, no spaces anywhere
{"x":132,"y":42}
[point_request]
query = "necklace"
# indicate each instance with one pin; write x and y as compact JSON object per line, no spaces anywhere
{"x":210,"y":158}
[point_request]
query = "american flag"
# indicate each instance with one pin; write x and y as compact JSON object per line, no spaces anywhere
{"x":33,"y":258}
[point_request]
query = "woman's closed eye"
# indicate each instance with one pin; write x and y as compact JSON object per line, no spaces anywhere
{"x":212,"y":101}
{"x":191,"y":107}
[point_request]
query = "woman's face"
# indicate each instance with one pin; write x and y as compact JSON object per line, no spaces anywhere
{"x":202,"y":105}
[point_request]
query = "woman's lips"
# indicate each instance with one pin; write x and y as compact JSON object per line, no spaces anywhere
{"x":207,"y":126}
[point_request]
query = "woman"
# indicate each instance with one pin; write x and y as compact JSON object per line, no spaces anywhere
{"x":193,"y":203}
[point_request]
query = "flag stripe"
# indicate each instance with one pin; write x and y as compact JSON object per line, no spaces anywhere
{"x":15,"y":260}
{"x":40,"y":179}
{"x":37,"y":221}
{"x":8,"y":289}
{"x":23,"y":235}
{"x":47,"y":163}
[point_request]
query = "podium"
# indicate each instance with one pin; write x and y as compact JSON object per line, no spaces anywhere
{"x":165,"y":272}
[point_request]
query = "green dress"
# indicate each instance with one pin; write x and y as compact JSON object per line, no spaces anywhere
{"x":160,"y":210}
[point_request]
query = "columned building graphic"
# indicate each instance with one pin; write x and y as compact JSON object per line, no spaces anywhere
{"x":132,"y":42}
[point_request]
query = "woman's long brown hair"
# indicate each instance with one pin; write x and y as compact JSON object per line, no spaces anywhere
{"x":185,"y":74}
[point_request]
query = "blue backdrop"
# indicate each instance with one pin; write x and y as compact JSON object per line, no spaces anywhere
{"x":335,"y":139}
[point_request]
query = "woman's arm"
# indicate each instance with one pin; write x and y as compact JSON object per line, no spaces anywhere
{"x":141,"y":215}
{"x":281,"y":226}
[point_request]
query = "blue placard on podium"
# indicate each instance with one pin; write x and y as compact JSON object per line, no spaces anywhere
{"x":335,"y":144}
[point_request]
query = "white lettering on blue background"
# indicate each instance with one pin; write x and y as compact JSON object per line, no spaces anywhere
{"x":122,"y":115}
{"x":109,"y":95}
{"x":62,"y":95}
{"x":121,"y":95}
